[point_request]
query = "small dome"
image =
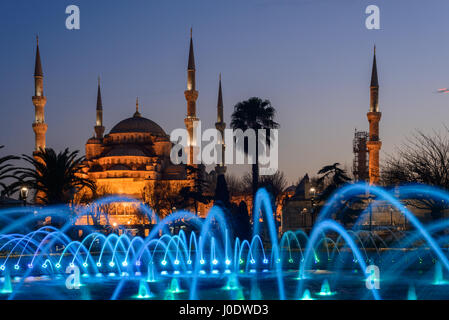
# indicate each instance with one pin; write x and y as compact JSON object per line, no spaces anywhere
{"x":138,"y":124}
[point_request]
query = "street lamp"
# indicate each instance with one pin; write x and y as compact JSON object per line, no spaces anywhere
{"x":312,"y":192}
{"x":24,"y":195}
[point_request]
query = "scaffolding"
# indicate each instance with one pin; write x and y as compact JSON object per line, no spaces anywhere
{"x":360,"y":165}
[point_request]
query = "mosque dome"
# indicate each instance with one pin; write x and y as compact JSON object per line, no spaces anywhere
{"x":138,"y":123}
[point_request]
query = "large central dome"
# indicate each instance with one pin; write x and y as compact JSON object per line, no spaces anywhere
{"x":138,"y":124}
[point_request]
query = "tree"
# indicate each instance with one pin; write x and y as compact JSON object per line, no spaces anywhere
{"x":235,"y":185}
{"x":239,"y":221}
{"x":7,"y":172}
{"x":194,"y":195}
{"x":331,"y":178}
{"x":255,"y":114}
{"x":87,"y":197}
{"x":161,"y":197}
{"x":422,"y":159}
{"x":55,"y":177}
{"x":221,"y":191}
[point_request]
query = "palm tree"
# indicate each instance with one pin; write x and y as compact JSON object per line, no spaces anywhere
{"x":55,"y":177}
{"x":7,"y":172}
{"x":255,"y":114}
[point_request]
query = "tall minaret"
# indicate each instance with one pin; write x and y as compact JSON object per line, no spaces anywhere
{"x":39,"y":101}
{"x":374,"y":144}
{"x":99,"y":128}
{"x":220,"y":126}
{"x":191,"y":96}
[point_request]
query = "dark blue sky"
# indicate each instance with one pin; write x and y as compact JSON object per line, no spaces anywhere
{"x":312,"y":59}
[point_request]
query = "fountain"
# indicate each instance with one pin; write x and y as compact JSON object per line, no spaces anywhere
{"x":325,"y":289}
{"x":210,"y":264}
{"x":307,"y":295}
{"x":411,"y":295}
{"x":144,"y":290}
{"x":438,"y":274}
{"x":7,"y":286}
{"x":174,"y":286}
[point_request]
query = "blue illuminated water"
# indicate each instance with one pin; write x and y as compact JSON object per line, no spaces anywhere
{"x":329,"y":262}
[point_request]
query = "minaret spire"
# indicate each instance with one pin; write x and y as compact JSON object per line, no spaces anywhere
{"x":99,"y":102}
{"x":374,"y":80}
{"x":38,"y":65}
{"x":99,"y":128}
{"x":374,"y":144}
{"x":39,"y":101}
{"x":191,"y":96}
{"x":191,"y":63}
{"x":191,"y":66}
{"x":220,"y":101}
{"x":137,"y":113}
{"x":220,"y":126}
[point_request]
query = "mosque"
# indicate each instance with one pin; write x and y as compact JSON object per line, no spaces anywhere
{"x":135,"y":155}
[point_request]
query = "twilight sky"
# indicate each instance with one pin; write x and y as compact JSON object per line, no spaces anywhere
{"x":311,"y":58}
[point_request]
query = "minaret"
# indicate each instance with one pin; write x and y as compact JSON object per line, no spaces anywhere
{"x":39,"y":101}
{"x":191,"y":96}
{"x":99,"y":128}
{"x":374,"y":144}
{"x":220,"y":126}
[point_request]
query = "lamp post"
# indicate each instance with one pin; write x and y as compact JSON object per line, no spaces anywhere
{"x":370,"y":214}
{"x":405,"y":218}
{"x":24,"y":195}
{"x":312,"y":192}
{"x":391,"y":216}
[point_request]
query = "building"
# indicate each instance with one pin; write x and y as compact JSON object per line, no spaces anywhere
{"x":134,"y":155}
{"x":297,"y":211}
